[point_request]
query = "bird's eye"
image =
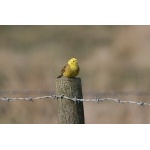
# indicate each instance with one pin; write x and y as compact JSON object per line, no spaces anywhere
{"x":73,"y":61}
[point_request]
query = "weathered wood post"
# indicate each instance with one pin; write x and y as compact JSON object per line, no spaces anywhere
{"x":70,"y":112}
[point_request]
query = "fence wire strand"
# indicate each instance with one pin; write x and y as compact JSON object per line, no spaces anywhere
{"x":98,"y":100}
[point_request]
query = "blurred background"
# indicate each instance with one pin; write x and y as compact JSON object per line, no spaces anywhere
{"x":114,"y":62}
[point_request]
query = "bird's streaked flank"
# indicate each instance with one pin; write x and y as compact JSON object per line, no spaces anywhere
{"x":71,"y":70}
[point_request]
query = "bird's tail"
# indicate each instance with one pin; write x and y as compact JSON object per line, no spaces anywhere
{"x":59,"y":76}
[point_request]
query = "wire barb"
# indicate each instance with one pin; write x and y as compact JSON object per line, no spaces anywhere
{"x":140,"y":104}
{"x":62,"y":96}
{"x":30,"y":99}
{"x":118,"y":101}
{"x":97,"y":99}
{"x":7,"y":99}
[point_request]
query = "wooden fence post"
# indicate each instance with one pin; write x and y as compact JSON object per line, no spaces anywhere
{"x":70,"y":112}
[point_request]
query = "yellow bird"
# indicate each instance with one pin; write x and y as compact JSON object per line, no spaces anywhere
{"x":71,"y":70}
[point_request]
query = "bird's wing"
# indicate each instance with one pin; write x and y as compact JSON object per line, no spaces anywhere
{"x":62,"y":71}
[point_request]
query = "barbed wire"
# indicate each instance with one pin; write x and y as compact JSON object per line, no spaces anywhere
{"x":56,"y":97}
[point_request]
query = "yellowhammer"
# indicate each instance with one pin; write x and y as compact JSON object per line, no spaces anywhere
{"x":71,"y":70}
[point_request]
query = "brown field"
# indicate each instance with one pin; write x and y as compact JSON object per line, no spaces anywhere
{"x":111,"y":58}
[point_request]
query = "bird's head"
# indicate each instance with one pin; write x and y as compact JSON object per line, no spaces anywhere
{"x":73,"y":61}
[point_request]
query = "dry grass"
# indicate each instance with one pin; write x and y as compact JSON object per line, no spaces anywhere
{"x":110,"y":58}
